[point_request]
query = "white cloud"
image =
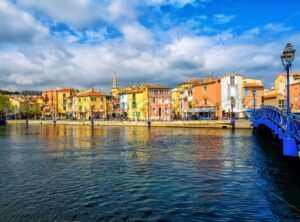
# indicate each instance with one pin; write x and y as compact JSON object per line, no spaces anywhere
{"x":276,"y":28}
{"x":18,"y":26}
{"x":120,"y":9}
{"x":179,"y":3}
{"x":137,"y":35}
{"x":75,"y":12}
{"x":141,"y":54}
{"x":223,"y":19}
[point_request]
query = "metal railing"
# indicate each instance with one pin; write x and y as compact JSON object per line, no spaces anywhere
{"x":278,"y":117}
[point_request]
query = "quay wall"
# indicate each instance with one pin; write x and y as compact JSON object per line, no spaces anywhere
{"x":239,"y":124}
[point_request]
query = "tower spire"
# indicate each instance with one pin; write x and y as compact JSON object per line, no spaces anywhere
{"x":115,"y":82}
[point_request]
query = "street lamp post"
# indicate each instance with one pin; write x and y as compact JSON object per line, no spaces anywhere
{"x":254,"y":98}
{"x":289,"y":144}
{"x":92,"y":116}
{"x":232,"y":121}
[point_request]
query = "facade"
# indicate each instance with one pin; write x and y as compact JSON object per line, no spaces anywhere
{"x":275,"y":99}
{"x":277,"y":95}
{"x":175,"y":104}
{"x":18,"y":107}
{"x":90,"y":103}
{"x":137,"y":108}
{"x":251,"y":86}
{"x":50,"y":107}
{"x":159,"y":102}
{"x":185,"y":90}
{"x":295,"y":97}
{"x":64,"y":102}
{"x":26,"y":107}
{"x":231,"y":95}
{"x":123,"y":105}
{"x":207,"y":98}
{"x":146,"y":102}
{"x":115,"y":99}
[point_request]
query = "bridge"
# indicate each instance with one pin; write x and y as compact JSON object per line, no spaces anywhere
{"x":285,"y":128}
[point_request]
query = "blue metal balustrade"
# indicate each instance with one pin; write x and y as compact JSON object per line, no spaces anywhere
{"x":276,"y":119}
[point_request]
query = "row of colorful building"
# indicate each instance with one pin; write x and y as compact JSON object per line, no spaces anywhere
{"x":208,"y":98}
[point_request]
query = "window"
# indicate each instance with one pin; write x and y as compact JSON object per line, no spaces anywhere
{"x":155,"y":92}
{"x":93,"y":99}
{"x":233,"y":91}
{"x":204,"y":88}
{"x":281,"y":103}
{"x":153,"y":110}
{"x":92,"y":107}
{"x":246,"y":92}
{"x":153,"y":100}
{"x":161,"y":91}
{"x":166,"y":109}
{"x":232,"y":80}
{"x":101,"y":106}
{"x":64,"y":95}
{"x":79,"y":99}
{"x":101,"y":99}
{"x":190,"y":92}
{"x":205,"y":102}
{"x":65,"y":108}
{"x":80,"y":108}
{"x":84,"y":99}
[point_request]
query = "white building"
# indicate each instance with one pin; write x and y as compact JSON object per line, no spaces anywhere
{"x":123,"y":103}
{"x":231,"y":94}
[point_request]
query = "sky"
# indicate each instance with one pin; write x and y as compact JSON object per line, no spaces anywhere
{"x":82,"y":43}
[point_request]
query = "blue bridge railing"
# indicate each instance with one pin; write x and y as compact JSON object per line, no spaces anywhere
{"x":277,"y":117}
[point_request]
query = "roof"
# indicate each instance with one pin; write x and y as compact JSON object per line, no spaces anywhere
{"x":208,"y":81}
{"x":91,"y":92}
{"x":273,"y":96}
{"x":191,"y":82}
{"x":253,"y":85}
{"x":141,"y":88}
{"x":296,"y":74}
{"x":65,"y":90}
{"x":148,"y":86}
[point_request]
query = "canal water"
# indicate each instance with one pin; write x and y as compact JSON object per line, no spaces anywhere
{"x":74,"y":173}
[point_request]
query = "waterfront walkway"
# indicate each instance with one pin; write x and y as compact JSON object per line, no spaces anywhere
{"x":239,"y":124}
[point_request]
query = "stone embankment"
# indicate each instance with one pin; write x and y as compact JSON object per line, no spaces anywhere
{"x":239,"y":124}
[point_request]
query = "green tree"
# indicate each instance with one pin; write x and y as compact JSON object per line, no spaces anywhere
{"x":4,"y":105}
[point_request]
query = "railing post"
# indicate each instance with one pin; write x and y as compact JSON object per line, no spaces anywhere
{"x":289,"y":143}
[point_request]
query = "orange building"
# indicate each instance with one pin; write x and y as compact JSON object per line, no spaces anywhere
{"x":295,"y":97}
{"x":50,"y":107}
{"x":252,"y":87}
{"x":207,"y":97}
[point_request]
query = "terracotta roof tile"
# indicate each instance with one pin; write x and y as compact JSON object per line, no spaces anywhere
{"x":91,"y":92}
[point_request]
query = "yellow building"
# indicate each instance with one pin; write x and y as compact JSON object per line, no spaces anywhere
{"x":90,"y":103}
{"x":23,"y":107}
{"x":186,"y":90}
{"x":18,"y":106}
{"x":64,"y":101}
{"x":280,"y":82}
{"x":176,"y":110}
{"x":135,"y":102}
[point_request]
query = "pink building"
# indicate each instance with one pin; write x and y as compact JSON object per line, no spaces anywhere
{"x":159,"y":102}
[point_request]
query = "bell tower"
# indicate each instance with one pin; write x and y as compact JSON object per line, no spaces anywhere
{"x":114,"y":88}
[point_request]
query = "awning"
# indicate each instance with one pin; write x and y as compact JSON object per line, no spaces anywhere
{"x":202,"y":110}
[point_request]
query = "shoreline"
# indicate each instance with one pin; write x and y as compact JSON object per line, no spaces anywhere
{"x":239,"y":124}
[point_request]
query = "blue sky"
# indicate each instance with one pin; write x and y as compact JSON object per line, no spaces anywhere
{"x":81,"y":43}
